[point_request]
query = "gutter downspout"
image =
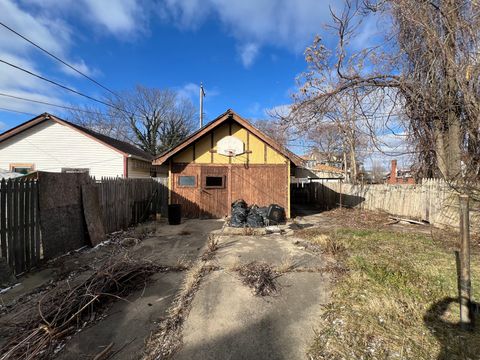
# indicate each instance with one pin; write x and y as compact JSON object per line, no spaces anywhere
{"x":125,"y":167}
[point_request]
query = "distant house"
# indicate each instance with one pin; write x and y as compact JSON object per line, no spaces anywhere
{"x":4,"y":174}
{"x":328,"y":172}
{"x":48,"y":143}
{"x":226,"y":160}
{"x":316,"y":157}
{"x":399,"y":176}
{"x":318,"y":173}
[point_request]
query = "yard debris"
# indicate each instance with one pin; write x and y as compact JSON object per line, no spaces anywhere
{"x":129,"y":241}
{"x":358,"y":219}
{"x":61,"y":312}
{"x":397,"y":219}
{"x":259,"y":276}
{"x":254,"y":216}
{"x":239,"y":213}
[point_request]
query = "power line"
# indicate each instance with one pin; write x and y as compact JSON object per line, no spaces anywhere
{"x":55,"y":105}
{"x":57,"y":58}
{"x":16,"y":111}
{"x":62,"y":86}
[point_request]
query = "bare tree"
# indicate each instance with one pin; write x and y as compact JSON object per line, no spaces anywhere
{"x":427,"y":65}
{"x":276,"y":130}
{"x":153,"y":119}
{"x":336,"y":129}
{"x":378,"y":172}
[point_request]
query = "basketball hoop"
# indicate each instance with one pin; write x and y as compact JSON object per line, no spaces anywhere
{"x":230,"y":146}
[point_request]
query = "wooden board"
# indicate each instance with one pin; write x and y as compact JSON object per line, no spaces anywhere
{"x":93,"y":214}
{"x":61,"y":213}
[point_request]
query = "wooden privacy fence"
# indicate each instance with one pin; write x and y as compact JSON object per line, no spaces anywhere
{"x":122,"y":203}
{"x":20,"y":242}
{"x":126,"y":202}
{"x":432,"y":200}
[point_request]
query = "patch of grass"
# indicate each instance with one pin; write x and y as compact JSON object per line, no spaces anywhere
{"x":287,"y":265}
{"x":396,"y":301}
{"x":327,"y":242}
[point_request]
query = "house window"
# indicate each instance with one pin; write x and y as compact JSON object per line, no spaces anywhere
{"x":214,"y":182}
{"x":186,"y":181}
{"x":22,"y":168}
{"x":75,"y":170}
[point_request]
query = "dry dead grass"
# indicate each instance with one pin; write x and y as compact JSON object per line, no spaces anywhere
{"x":259,"y":276}
{"x":212,"y":246}
{"x":396,"y":301}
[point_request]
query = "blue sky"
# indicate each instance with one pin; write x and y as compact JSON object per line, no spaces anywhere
{"x":247,"y":53}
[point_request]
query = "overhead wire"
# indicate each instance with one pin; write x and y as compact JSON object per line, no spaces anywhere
{"x":57,"y":58}
{"x":60,"y":85}
{"x":16,"y":111}
{"x":51,"y":104}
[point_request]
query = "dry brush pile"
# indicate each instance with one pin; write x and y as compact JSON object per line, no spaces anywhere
{"x":259,"y":276}
{"x":63,"y":311}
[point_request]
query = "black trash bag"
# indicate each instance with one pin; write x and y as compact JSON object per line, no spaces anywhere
{"x":239,"y":203}
{"x":263,"y":211}
{"x":276,"y":214}
{"x":254,"y":218}
{"x":239,"y":214}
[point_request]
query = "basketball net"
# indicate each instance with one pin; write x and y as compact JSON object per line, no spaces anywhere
{"x":231,"y":152}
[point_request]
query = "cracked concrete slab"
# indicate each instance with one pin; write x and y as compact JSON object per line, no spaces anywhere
{"x":274,"y":249}
{"x":227,"y":321}
{"x":171,"y":244}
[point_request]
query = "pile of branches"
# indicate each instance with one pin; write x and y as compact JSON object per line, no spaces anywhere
{"x":259,"y":276}
{"x":62,"y":313}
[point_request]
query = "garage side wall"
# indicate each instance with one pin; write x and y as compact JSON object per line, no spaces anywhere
{"x":261,"y":185}
{"x":259,"y":176}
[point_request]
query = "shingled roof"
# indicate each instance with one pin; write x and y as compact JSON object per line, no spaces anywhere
{"x":120,"y":146}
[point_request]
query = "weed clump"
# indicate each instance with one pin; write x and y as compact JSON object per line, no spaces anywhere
{"x":261,"y":277}
{"x":212,"y":246}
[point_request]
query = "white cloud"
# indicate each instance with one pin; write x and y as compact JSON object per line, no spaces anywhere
{"x":191,"y":91}
{"x":285,"y":23}
{"x":248,"y":53}
{"x":117,"y":16}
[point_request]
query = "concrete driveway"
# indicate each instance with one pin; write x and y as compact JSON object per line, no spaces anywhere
{"x":227,"y":321}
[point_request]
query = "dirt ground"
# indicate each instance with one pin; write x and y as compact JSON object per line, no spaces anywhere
{"x":225,"y":319}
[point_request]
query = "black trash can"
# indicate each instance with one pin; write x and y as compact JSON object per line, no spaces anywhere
{"x":174,"y":214}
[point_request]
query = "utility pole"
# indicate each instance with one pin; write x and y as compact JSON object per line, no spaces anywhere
{"x":202,"y":95}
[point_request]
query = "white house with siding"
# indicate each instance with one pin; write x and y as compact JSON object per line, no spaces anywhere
{"x":48,"y":143}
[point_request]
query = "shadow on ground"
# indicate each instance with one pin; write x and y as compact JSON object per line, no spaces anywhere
{"x":455,"y":342}
{"x":245,"y":343}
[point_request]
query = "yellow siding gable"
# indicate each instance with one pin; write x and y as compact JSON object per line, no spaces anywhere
{"x":255,"y":149}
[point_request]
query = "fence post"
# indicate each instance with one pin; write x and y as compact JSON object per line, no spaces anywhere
{"x":464,"y":285}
